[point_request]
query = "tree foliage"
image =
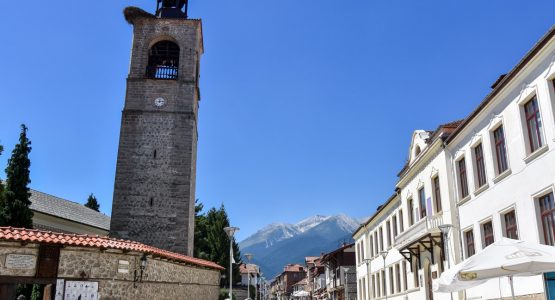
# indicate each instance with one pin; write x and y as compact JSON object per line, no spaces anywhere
{"x":15,"y":208}
{"x":92,"y":203}
{"x":1,"y":185}
{"x":212,"y":243}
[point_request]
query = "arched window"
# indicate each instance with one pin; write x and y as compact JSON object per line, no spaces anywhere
{"x":417,"y":151}
{"x":163,"y":61}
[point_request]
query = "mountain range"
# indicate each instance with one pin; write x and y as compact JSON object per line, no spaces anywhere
{"x":279,"y":244}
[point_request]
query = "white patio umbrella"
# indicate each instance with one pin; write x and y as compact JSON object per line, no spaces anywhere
{"x":506,"y":257}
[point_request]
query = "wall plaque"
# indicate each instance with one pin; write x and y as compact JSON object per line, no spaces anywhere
{"x":123,"y":266}
{"x":20,"y":261}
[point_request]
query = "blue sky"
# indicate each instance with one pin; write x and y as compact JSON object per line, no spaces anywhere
{"x":307,"y":106}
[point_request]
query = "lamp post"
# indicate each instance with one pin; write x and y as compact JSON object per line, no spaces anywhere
{"x":249,"y":258}
{"x":445,"y":229}
{"x":384,"y":255}
{"x":142,"y":267}
{"x":230,"y":231}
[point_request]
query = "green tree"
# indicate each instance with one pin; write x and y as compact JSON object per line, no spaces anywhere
{"x":201,"y":249}
{"x":1,"y":184}
{"x":92,"y":203}
{"x":14,"y":210}
{"x":218,"y":243}
{"x":211,"y":241}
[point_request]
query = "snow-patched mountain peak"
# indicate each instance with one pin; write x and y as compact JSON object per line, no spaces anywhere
{"x":271,"y":234}
{"x":346,"y":223}
{"x":310,"y":223}
{"x":280,"y":243}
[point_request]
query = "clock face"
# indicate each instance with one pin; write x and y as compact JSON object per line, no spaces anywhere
{"x":159,"y":102}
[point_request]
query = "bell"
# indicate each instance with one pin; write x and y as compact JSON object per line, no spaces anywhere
{"x":172,"y":9}
{"x":173,"y":3}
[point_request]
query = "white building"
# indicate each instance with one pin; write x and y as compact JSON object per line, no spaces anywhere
{"x":504,"y":163}
{"x":488,"y":176}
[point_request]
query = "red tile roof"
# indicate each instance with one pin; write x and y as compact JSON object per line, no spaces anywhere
{"x":95,"y":241}
{"x":293,"y":268}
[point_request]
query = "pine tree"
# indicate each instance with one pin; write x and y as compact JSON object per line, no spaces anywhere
{"x":201,"y":249}
{"x":218,"y":243}
{"x":15,"y":209}
{"x":1,"y":184}
{"x":92,"y":203}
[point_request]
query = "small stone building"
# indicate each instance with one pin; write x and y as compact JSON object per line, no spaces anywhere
{"x":92,"y":267}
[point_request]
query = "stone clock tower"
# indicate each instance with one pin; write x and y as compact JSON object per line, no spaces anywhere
{"x":154,"y":193}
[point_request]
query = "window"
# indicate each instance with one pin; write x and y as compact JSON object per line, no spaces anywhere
{"x":362,"y":249}
{"x":381,"y":239}
{"x":480,"y":166}
{"x":500,"y":150}
{"x":394,"y":223}
{"x":376,"y":243}
{"x":163,"y":61}
{"x":401,"y":224}
{"x":487,"y":229}
{"x":378,"y":284}
{"x":510,"y":225}
{"x":388,"y":232}
{"x":533,"y":124}
{"x":384,"y":289}
{"x":410,"y":211}
{"x":463,"y":181}
{"x":371,"y":246}
{"x":437,"y":193}
{"x":398,"y":278}
{"x":547,"y":211}
{"x":363,"y":288}
{"x":469,"y":239}
{"x":422,"y":200}
{"x":373,"y":286}
{"x":404,"y":275}
{"x":391,"y":285}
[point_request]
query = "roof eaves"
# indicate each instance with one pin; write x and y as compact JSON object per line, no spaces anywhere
{"x":505,"y":81}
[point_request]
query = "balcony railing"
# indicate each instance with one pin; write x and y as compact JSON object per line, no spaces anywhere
{"x":421,"y":228}
{"x":162,"y":72}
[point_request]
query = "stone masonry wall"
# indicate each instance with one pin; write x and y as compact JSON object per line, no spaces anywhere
{"x":161,"y":279}
{"x":154,"y":191}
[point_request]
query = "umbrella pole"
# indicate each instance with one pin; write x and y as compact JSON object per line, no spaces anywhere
{"x":512,"y":287}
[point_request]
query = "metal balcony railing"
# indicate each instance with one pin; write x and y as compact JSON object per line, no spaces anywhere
{"x":421,"y":228}
{"x":162,"y":72}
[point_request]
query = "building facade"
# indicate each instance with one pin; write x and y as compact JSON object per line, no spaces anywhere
{"x":282,"y":286}
{"x":340,"y":273}
{"x":504,"y":167}
{"x":154,"y":192}
{"x":467,"y":184}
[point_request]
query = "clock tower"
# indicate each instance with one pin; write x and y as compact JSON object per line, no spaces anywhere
{"x":154,"y":192}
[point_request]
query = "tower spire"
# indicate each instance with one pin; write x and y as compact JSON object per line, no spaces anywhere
{"x":172,"y":9}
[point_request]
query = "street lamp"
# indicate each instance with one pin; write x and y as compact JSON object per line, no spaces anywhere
{"x":445,"y":229}
{"x":230,"y":231}
{"x":249,"y":258}
{"x":384,"y":255}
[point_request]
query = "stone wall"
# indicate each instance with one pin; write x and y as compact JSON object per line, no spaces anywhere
{"x":162,"y":279}
{"x":154,"y":192}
